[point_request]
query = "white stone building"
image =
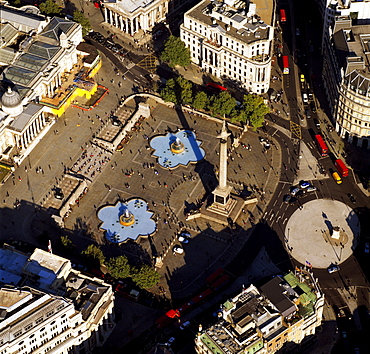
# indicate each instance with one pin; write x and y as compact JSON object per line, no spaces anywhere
{"x":232,"y":40}
{"x":51,"y":308}
{"x":133,"y":16}
{"x":346,"y":71}
{"x":29,"y":73}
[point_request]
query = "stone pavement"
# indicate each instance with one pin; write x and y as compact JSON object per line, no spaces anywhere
{"x":308,"y":233}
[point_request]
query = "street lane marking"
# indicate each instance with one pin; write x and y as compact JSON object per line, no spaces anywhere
{"x":285,"y":220}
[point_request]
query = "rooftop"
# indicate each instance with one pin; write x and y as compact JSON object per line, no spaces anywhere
{"x":129,"y":6}
{"x":244,"y":24}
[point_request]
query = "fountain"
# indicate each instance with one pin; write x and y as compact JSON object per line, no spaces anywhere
{"x":174,"y":149}
{"x":127,"y":220}
{"x":177,"y":147}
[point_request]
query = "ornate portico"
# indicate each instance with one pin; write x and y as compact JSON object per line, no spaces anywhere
{"x":19,"y":125}
{"x":132,"y":16}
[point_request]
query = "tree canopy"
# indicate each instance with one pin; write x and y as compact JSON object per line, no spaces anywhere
{"x":175,"y":52}
{"x":168,"y":92}
{"x":201,"y":100}
{"x":95,"y":253}
{"x":222,"y":104}
{"x":253,"y":111}
{"x":119,"y":267}
{"x":178,"y":90}
{"x":146,"y":277}
{"x":49,"y":7}
{"x":79,"y":17}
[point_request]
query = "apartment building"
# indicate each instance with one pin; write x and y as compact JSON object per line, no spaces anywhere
{"x":345,"y":70}
{"x":278,"y":316}
{"x":47,"y":307}
{"x":232,"y":40}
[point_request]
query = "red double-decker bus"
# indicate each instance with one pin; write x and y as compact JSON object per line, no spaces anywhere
{"x":341,"y":167}
{"x":285,"y":64}
{"x":282,"y":16}
{"x":323,"y":148}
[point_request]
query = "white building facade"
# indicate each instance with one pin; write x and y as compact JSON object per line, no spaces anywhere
{"x":346,"y":71}
{"x":131,"y":17}
{"x":232,"y":40}
{"x":59,"y":311}
{"x":31,"y":73}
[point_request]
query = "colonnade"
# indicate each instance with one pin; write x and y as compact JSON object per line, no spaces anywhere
{"x":143,"y":20}
{"x":32,"y":131}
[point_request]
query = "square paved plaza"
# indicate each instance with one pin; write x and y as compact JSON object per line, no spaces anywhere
{"x":171,"y":195}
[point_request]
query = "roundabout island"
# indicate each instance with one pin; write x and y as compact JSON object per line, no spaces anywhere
{"x":322,"y":232}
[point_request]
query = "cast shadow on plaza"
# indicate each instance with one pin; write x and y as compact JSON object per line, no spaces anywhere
{"x":31,"y":226}
{"x":204,"y":254}
{"x":203,"y":168}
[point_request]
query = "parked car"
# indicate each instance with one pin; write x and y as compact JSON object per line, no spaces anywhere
{"x":308,"y":113}
{"x":170,"y":341}
{"x":185,"y":234}
{"x":300,"y":193}
{"x":178,"y":250}
{"x":317,"y":123}
{"x":287,"y":198}
{"x":337,"y":178}
{"x":304,"y":184}
{"x":305,"y":98}
{"x":182,"y":239}
{"x":311,"y":189}
{"x":333,"y":268}
{"x":184,"y":325}
{"x":294,"y":191}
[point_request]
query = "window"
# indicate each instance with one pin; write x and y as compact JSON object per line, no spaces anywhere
{"x":50,"y":313}
{"x":40,"y":319}
{"x":17,"y":334}
{"x":60,"y":307}
{"x":28,"y":327}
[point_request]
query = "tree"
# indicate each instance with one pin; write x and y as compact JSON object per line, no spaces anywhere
{"x":168,"y":92}
{"x":95,"y":253}
{"x":66,"y":241}
{"x":119,"y":267}
{"x":146,"y":277}
{"x":178,"y":90}
{"x":201,"y":100}
{"x":253,"y":112}
{"x":79,"y":17}
{"x":222,"y":104}
{"x":49,"y":7}
{"x":175,"y":52}
{"x":183,"y":90}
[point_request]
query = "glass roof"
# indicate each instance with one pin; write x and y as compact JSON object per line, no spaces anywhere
{"x":19,"y":75}
{"x":55,"y":27}
{"x":32,"y":62}
{"x":43,"y":50}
